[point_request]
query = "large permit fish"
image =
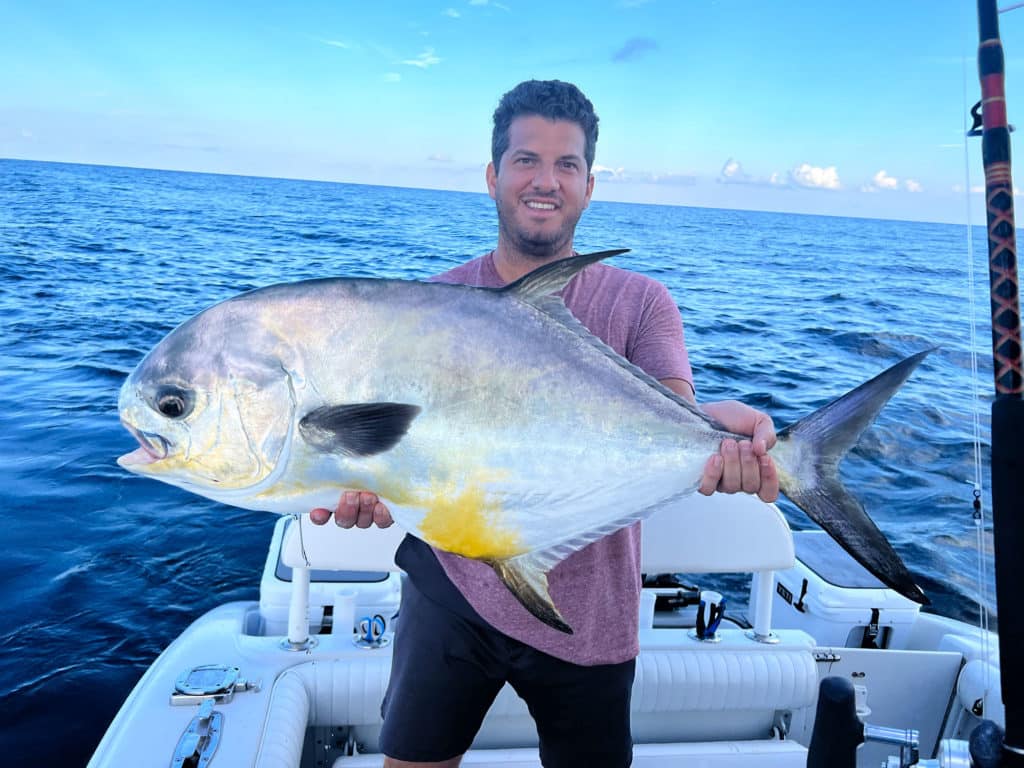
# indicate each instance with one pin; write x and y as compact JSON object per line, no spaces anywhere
{"x":491,"y":422}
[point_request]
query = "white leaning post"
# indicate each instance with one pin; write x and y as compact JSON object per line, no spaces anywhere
{"x":298,"y":607}
{"x":761,"y":596}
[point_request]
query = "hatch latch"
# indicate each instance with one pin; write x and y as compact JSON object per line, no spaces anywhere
{"x":199,"y":741}
{"x":871,"y":631}
{"x":211,"y":682}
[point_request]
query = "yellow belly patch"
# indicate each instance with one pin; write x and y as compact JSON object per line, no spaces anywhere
{"x":466,"y":523}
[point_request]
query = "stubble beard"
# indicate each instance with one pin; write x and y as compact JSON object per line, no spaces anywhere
{"x":535,"y":245}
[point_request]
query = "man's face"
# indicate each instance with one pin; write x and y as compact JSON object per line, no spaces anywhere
{"x":542,"y":185}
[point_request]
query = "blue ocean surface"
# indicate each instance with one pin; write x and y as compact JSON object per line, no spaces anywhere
{"x":102,"y":569}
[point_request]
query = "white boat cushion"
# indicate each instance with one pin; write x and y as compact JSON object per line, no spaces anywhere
{"x":285,"y":726}
{"x":722,"y":533}
{"x":678,"y":695}
{"x":760,"y":753}
{"x":716,"y":681}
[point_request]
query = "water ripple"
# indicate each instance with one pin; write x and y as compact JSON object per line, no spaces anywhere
{"x":103,"y":569}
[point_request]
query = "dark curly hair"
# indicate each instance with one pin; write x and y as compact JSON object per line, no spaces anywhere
{"x":553,"y":99}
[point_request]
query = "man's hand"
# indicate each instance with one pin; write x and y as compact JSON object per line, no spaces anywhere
{"x":355,"y":508}
{"x":742,"y":465}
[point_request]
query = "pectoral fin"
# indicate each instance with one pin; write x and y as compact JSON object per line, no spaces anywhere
{"x":529,"y":583}
{"x":360,"y":429}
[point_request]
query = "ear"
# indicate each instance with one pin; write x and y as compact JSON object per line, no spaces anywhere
{"x":492,"y":181}
{"x":590,"y":190}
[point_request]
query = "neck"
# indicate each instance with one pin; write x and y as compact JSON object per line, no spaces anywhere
{"x":512,"y":263}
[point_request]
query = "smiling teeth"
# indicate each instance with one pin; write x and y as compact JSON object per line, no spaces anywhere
{"x":541,"y":206}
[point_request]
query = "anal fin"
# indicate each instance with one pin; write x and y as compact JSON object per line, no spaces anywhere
{"x":526,"y":580}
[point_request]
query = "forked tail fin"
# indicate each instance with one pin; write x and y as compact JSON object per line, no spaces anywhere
{"x":807,"y":457}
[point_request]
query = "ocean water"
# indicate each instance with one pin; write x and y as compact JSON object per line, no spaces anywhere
{"x":102,"y":569}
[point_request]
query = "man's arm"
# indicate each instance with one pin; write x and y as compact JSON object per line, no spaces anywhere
{"x":739,"y":465}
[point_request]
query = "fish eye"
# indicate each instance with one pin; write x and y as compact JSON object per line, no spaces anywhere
{"x":174,"y":403}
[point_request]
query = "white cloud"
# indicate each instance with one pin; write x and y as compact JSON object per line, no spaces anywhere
{"x":732,"y":173}
{"x":391,"y":77}
{"x":976,"y":189}
{"x":424,"y":60}
{"x":440,"y":157}
{"x":452,"y":13}
{"x":604,"y":173}
{"x":336,"y":43}
{"x":620,"y":175}
{"x":807,"y":175}
{"x":674,"y":179}
{"x":26,"y":133}
{"x":882,"y":180}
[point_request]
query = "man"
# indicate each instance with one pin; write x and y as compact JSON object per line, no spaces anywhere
{"x":462,"y":634}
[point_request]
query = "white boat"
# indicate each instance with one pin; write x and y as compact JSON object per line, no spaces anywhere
{"x":297,"y":678}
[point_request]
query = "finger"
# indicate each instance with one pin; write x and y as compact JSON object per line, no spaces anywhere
{"x":712,"y":475}
{"x":382,"y":515}
{"x":319,"y":516}
{"x":750,"y":470}
{"x":769,"y":480}
{"x":731,"y":481}
{"x":348,"y":509}
{"x":764,"y":434}
{"x":367,"y":501}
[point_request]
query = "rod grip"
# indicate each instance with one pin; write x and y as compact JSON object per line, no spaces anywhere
{"x":837,"y":729}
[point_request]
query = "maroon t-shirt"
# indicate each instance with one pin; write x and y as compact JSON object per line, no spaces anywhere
{"x":597,"y":589}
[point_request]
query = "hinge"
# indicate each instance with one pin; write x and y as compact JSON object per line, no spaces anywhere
{"x":200,"y":739}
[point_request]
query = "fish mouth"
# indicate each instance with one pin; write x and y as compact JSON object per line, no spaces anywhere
{"x":152,"y":448}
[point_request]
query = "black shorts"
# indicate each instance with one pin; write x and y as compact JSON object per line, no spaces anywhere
{"x":447,"y":669}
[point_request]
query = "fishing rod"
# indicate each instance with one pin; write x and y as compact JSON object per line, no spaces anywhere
{"x":1008,"y":406}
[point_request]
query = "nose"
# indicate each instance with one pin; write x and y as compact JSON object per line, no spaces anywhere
{"x":544,"y":178}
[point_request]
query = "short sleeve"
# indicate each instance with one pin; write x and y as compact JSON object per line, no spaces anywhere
{"x":659,"y":347}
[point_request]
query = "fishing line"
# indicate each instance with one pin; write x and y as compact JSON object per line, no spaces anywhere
{"x":978,"y":508}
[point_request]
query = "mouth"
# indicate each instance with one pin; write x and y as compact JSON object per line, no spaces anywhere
{"x":152,"y":448}
{"x":540,"y":205}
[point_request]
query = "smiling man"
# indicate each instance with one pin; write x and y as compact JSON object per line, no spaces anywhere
{"x":543,"y":186}
{"x":462,"y":634}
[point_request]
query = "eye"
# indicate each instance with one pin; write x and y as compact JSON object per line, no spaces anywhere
{"x":174,"y":403}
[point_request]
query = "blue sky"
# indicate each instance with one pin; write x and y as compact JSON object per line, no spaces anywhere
{"x":846,"y":108}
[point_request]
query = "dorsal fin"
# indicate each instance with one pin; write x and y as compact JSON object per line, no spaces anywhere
{"x":553,"y":277}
